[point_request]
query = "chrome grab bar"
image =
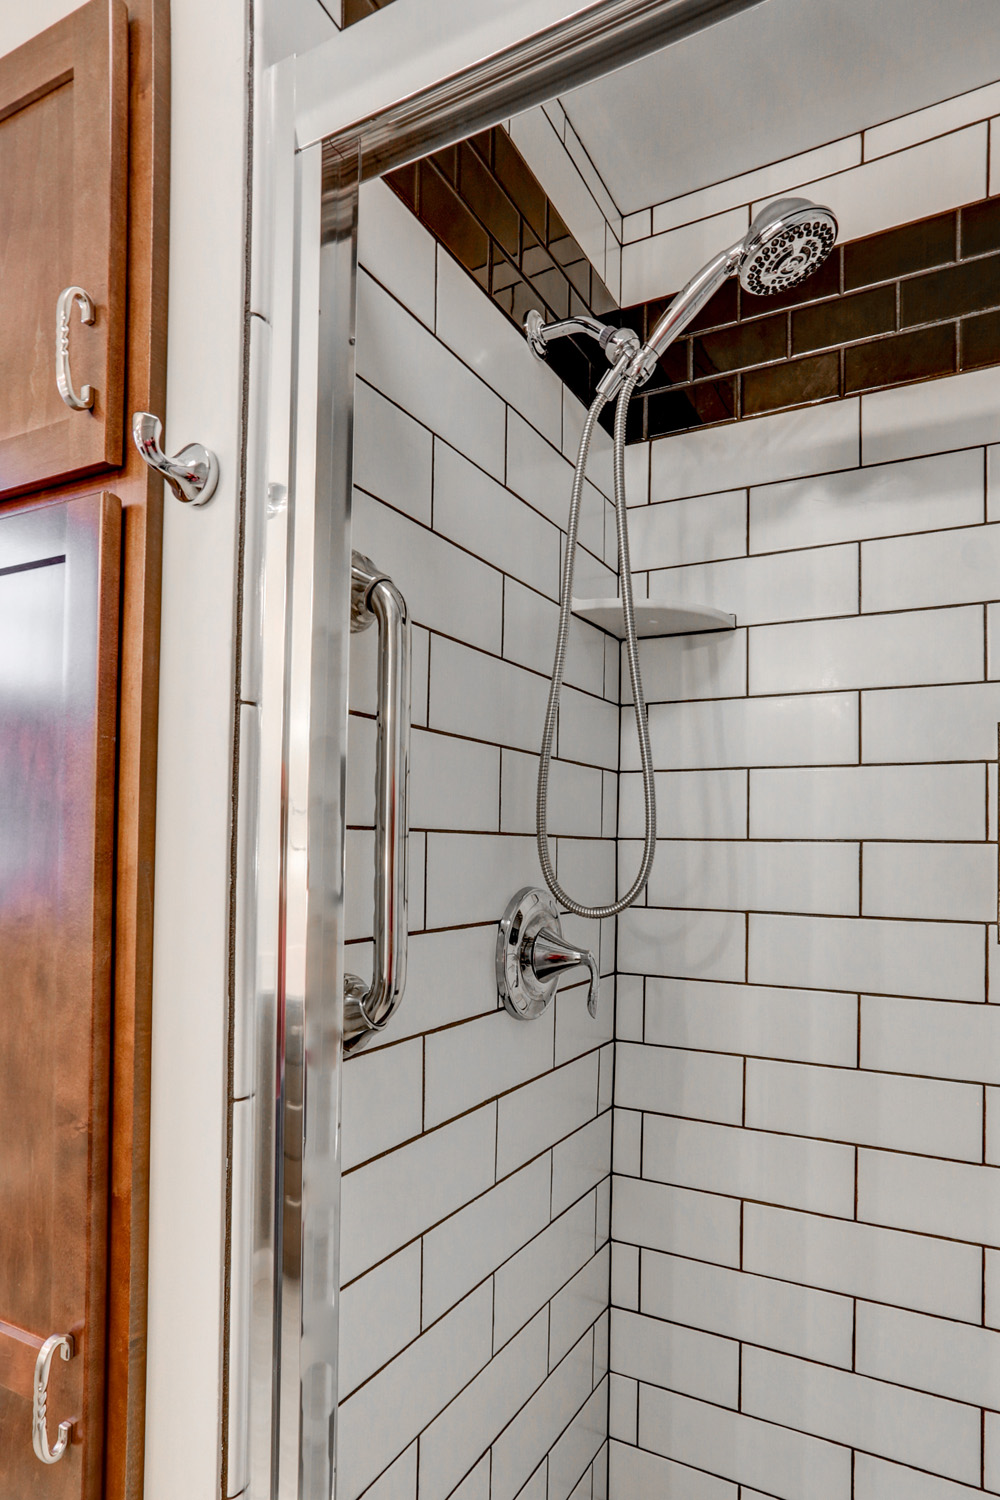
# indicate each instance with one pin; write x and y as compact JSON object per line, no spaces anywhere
{"x":368,"y":1008}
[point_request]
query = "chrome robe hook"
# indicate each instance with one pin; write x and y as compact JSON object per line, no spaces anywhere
{"x":192,"y":473}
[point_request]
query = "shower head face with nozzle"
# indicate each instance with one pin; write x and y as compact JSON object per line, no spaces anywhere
{"x":787,"y":241}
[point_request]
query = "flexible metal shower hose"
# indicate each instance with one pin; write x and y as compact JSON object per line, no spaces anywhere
{"x":562,"y":636}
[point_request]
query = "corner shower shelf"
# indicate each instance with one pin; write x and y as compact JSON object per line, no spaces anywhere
{"x":653,"y":617}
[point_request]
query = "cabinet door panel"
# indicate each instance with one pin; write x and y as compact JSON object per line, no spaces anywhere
{"x":59,"y":600}
{"x":63,"y":148}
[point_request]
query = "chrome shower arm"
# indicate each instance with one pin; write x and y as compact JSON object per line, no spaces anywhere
{"x":688,"y":302}
{"x":614,"y":341}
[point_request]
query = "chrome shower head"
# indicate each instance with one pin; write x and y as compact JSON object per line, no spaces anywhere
{"x":786,"y":242}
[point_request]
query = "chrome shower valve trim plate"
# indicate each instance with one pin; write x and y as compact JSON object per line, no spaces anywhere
{"x":532,"y":953}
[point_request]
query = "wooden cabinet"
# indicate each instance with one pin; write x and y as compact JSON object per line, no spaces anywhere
{"x":59,"y":612}
{"x":63,"y":223}
{"x":82,"y":105}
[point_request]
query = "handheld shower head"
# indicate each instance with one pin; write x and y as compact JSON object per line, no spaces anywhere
{"x":785,"y":243}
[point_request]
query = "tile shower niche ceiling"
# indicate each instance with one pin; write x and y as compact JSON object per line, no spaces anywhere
{"x":907,"y":304}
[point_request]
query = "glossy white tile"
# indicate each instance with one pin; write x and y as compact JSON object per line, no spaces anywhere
{"x":452,"y":1443}
{"x":755,"y":1020}
{"x":875,"y":1479}
{"x":779,"y":1169}
{"x":474,"y":510}
{"x":667,"y":1080}
{"x":471,"y":877}
{"x":532,"y":1277}
{"x":755,"y":1309}
{"x":695,"y":944}
{"x":869,"y":802}
{"x":379,"y":1316}
{"x":488,"y":343}
{"x":666,"y":262}
{"x":396,"y":249}
{"x":394,"y":1198}
{"x":929,"y":1354}
{"x":884,"y":1265}
{"x":581,"y":1162}
{"x":784,"y":445}
{"x":404,"y":361}
{"x":925,"y":179}
{"x":935,"y":568}
{"x":707,"y":665}
{"x":936,"y":1038}
{"x":754,"y":875}
{"x":922,"y":494}
{"x":465,"y":1065}
{"x":645,"y":1476}
{"x":381,"y":1101}
{"x":417,"y":559}
{"x":680,"y":1222}
{"x":689,"y":531}
{"x":689,"y":805}
{"x":807,"y":729}
{"x":931,"y":1197}
{"x":942,"y":1436}
{"x":392,"y":454}
{"x":959,"y":411}
{"x":943,"y":723}
{"x":933,"y":881}
{"x":920,"y":1115}
{"x":380,"y":1419}
{"x":791,"y":1464}
{"x":940,"y":960}
{"x":578,"y":1306}
{"x":679,"y":1358}
{"x":775,"y":586}
{"x":937,"y":119}
{"x":922,"y":646}
{"x":533,"y":1118}
{"x":467,"y":1247}
{"x":771,"y":181}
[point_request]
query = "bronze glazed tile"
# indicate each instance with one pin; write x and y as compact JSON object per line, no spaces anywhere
{"x":753,"y":343}
{"x":903,"y":357}
{"x":980,"y":229}
{"x":898,"y":252}
{"x":844,"y":320}
{"x":691,"y":406}
{"x":521,"y":183}
{"x":980,"y":340}
{"x":448,"y":219}
{"x":971,"y":286}
{"x":793,"y":383}
{"x":490,"y":204}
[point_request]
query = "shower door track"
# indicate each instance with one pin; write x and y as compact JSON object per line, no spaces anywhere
{"x":370,"y":99}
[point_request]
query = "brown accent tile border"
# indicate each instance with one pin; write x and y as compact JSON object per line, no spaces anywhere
{"x":911,"y":303}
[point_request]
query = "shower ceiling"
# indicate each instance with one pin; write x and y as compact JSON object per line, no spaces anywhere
{"x":779,"y":79}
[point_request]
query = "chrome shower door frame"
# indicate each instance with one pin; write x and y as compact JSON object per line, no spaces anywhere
{"x":322,"y":132}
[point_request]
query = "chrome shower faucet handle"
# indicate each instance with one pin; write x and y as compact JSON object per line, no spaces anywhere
{"x":532,"y":953}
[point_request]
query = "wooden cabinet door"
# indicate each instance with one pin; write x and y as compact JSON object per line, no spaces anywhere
{"x":63,"y":223}
{"x":59,"y":607}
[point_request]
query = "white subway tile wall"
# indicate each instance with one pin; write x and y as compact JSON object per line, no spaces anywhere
{"x":476,"y":1149}
{"x":820,"y":1193}
{"x":796,"y":1043}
